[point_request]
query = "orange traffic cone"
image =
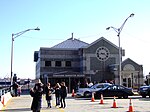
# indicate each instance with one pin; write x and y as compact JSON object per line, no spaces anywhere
{"x":73,"y":94}
{"x":101,"y":101}
{"x":3,"y":101}
{"x":130,"y":106}
{"x":92,"y":99}
{"x":114,"y":103}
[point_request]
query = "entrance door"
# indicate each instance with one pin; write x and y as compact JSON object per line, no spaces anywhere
{"x":128,"y":82}
{"x":71,"y":83}
{"x":53,"y":81}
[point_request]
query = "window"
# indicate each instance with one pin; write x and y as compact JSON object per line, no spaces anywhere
{"x":47,"y":63}
{"x":68,"y":63}
{"x":58,"y":63}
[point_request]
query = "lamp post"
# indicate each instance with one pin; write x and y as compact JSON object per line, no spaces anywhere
{"x":12,"y":45}
{"x":118,"y":30}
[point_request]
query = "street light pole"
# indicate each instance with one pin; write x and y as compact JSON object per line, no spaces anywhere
{"x":118,"y":34}
{"x":12,"y":45}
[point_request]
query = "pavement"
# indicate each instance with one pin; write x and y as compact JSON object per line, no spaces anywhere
{"x":23,"y":104}
{"x":18,"y":104}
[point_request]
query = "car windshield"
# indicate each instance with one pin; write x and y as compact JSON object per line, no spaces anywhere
{"x":101,"y":85}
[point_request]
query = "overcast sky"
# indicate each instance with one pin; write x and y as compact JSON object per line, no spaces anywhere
{"x":57,"y":19}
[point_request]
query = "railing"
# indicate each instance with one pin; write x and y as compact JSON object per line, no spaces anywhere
{"x":4,"y":91}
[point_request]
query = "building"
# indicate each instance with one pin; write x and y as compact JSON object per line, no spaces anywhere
{"x":147,"y":80}
{"x":75,"y":61}
{"x":132,"y":74}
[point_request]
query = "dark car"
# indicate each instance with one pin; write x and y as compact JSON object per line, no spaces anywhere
{"x":144,"y":91}
{"x":114,"y":90}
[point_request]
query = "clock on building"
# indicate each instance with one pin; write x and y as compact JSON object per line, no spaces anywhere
{"x":102,"y":53}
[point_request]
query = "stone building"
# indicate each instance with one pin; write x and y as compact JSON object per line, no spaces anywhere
{"x":147,"y":80}
{"x":132,"y":74}
{"x":77,"y":62}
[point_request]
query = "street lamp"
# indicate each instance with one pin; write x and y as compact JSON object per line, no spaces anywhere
{"x":118,"y":34}
{"x":13,"y":38}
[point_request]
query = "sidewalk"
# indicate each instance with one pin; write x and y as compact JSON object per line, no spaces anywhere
{"x":18,"y":104}
{"x":23,"y":104}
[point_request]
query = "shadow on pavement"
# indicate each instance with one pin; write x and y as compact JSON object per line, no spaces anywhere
{"x":17,"y":110}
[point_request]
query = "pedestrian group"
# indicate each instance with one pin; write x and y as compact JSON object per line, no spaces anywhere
{"x":60,"y":91}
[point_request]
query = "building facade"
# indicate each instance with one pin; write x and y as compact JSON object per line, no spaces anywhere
{"x":132,"y":74}
{"x":77,"y":62}
{"x":147,"y":80}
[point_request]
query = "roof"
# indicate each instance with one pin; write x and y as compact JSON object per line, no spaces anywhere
{"x":102,"y":38}
{"x":129,"y":60}
{"x":71,"y":43}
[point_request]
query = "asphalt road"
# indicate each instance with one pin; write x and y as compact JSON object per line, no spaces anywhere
{"x":139,"y":104}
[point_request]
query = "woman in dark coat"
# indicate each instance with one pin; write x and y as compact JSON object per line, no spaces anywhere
{"x":63,"y":95}
{"x":57,"y":94}
{"x":49,"y":91}
{"x":36,"y":93}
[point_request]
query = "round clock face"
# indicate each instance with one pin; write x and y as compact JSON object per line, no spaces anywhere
{"x":102,"y":53}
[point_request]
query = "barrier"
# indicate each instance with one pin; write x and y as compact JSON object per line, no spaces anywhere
{"x":4,"y":99}
{"x":1,"y":105}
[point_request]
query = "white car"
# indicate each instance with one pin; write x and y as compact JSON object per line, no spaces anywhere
{"x":86,"y":92}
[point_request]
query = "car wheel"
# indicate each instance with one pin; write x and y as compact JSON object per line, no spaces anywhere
{"x":87,"y":94}
{"x":125,"y":97}
{"x":143,"y":96}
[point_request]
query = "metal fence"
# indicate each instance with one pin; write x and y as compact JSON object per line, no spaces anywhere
{"x":4,"y":91}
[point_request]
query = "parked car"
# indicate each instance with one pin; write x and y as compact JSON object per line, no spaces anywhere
{"x":114,"y":90}
{"x":87,"y":92}
{"x":144,"y":91}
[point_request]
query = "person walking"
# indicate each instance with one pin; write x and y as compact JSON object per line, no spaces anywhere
{"x":36,"y":93}
{"x":57,"y":94}
{"x":49,"y":91}
{"x":63,"y":95}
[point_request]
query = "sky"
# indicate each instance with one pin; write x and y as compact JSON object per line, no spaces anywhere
{"x":57,"y":19}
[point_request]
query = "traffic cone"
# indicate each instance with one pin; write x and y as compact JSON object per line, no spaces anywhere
{"x":101,"y":100}
{"x":92,"y":99}
{"x":114,"y":103}
{"x":130,"y":106}
{"x":3,"y":101}
{"x":73,"y":94}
